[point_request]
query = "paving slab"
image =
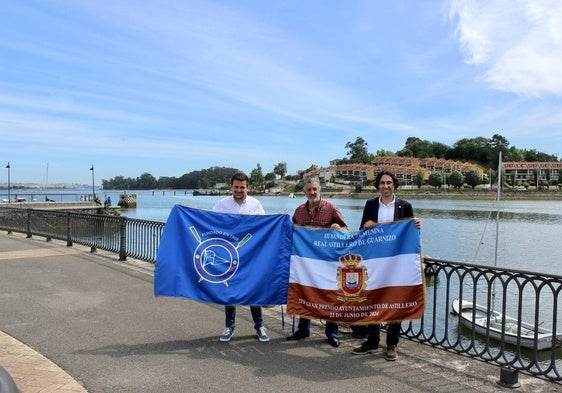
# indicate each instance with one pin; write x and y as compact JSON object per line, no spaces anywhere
{"x":72,"y":319}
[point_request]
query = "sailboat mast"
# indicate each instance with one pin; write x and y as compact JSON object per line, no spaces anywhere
{"x":498,"y":208}
{"x":47,"y":176}
{"x":497,"y":227}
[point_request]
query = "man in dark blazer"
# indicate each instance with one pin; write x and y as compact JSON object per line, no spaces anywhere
{"x":385,"y":208}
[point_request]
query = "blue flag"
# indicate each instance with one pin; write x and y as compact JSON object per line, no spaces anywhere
{"x":224,"y":258}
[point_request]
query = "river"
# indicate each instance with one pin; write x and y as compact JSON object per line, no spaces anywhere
{"x":453,"y":230}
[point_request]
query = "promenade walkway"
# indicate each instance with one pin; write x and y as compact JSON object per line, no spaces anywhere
{"x":73,"y":321}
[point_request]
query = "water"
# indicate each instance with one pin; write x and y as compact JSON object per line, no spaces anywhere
{"x":453,"y":230}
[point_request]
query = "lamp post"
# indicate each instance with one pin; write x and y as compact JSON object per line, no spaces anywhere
{"x":9,"y":196}
{"x":93,"y":183}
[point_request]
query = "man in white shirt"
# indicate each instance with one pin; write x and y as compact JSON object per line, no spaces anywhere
{"x":241,"y":203}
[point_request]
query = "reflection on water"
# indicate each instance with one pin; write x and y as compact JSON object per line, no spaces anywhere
{"x":491,"y":215}
{"x":454,"y":230}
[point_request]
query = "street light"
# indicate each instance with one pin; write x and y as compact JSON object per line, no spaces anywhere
{"x":9,"y":196}
{"x":93,"y":183}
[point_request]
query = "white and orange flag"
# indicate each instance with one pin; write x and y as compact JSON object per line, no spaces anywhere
{"x":370,"y":276}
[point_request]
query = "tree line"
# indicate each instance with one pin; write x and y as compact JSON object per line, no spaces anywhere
{"x":200,"y":179}
{"x":478,"y":150}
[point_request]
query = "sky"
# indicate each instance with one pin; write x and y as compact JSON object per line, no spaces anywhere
{"x":168,"y":87}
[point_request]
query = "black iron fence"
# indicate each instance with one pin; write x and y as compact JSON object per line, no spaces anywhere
{"x":127,"y":237}
{"x":506,"y":317}
{"x":493,"y":301}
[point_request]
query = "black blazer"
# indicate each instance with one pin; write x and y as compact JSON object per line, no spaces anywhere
{"x":402,"y":209}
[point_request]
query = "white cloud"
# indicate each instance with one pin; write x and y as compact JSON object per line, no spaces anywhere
{"x":517,"y":43}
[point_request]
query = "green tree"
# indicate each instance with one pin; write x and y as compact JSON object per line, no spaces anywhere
{"x":471,"y":149}
{"x":280,"y":169}
{"x":414,"y":147}
{"x":419,"y":179}
{"x":512,"y":179}
{"x":146,"y":182}
{"x":435,"y":179}
{"x":438,"y":150}
{"x":211,"y":177}
{"x":166,"y":182}
{"x":357,"y":151}
{"x":270,"y":180}
{"x":456,"y":179}
{"x":405,"y":153}
{"x":384,"y":153}
{"x":473,"y":178}
{"x":497,"y":144}
{"x":535,"y":156}
{"x":117,"y":183}
{"x":256,"y":178}
{"x":203,"y":183}
{"x":514,"y":154}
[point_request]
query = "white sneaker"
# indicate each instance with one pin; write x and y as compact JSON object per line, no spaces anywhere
{"x":226,"y":335}
{"x":262,"y":335}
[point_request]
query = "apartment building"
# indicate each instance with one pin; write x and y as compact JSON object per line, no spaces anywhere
{"x":524,"y":172}
{"x":406,"y":169}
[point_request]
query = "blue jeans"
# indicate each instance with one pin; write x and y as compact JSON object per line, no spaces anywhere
{"x":230,"y":316}
{"x":331,"y":327}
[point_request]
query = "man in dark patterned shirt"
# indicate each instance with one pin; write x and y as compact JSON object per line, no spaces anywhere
{"x":319,"y":213}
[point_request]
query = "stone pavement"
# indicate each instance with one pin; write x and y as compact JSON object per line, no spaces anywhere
{"x":73,"y":321}
{"x":31,"y":371}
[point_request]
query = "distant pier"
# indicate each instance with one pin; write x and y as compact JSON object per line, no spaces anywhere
{"x":127,"y":201}
{"x":78,"y":206}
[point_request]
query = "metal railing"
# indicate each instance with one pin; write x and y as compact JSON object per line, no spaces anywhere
{"x":127,"y":237}
{"x":45,"y":196}
{"x":528,"y":297}
{"x":533,"y":300}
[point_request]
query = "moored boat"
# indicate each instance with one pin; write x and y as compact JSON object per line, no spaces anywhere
{"x":504,"y":328}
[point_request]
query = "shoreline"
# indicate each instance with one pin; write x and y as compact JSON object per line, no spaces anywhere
{"x":462,"y":195}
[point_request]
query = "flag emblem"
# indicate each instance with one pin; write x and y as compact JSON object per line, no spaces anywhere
{"x":351,"y":278}
{"x":216,"y":260}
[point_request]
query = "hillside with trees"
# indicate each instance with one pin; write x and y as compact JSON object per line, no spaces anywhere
{"x":478,"y":150}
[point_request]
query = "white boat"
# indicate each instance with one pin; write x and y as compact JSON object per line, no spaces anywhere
{"x":504,"y":328}
{"x":498,"y":326}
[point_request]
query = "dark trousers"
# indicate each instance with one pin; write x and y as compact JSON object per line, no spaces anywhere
{"x":331,"y":327}
{"x":392,"y":334}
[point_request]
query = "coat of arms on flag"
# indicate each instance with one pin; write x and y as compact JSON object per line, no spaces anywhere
{"x":369,"y":276}
{"x":352,"y":278}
